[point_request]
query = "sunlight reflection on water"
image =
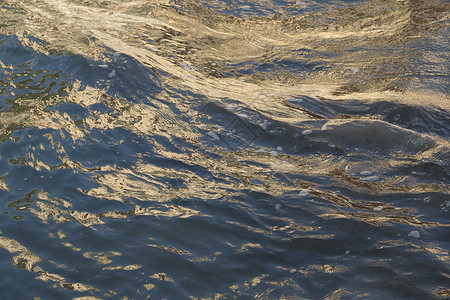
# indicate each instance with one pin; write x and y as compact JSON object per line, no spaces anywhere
{"x":223,"y":149}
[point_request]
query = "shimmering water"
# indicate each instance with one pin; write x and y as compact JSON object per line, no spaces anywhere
{"x":224,"y":149}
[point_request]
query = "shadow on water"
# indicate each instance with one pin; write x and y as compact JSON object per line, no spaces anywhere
{"x":224,"y":149}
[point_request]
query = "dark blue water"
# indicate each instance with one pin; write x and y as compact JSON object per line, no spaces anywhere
{"x":224,"y":149}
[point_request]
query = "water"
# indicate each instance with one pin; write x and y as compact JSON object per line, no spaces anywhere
{"x":224,"y":149}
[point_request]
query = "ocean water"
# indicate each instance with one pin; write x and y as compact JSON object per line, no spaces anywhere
{"x":224,"y":149}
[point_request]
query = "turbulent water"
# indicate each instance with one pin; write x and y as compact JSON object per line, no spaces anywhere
{"x":224,"y":149}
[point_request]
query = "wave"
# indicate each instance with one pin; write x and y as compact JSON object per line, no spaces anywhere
{"x":216,"y":149}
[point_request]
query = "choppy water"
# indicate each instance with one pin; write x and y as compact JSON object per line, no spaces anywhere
{"x":224,"y":149}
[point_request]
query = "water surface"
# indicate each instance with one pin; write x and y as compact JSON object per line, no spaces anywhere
{"x":224,"y":149}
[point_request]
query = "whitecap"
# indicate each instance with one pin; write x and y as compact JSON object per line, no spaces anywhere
{"x":366,"y":173}
{"x":112,"y":74}
{"x":303,"y":193}
{"x":414,"y":234}
{"x":370,"y":178}
{"x":213,"y":135}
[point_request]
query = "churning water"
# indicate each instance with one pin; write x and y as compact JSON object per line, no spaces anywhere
{"x":224,"y":149}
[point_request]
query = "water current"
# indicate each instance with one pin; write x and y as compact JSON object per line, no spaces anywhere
{"x":224,"y":149}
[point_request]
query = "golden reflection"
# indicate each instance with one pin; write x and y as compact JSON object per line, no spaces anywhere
{"x":263,"y":280}
{"x":171,"y":212}
{"x":442,"y":292}
{"x":198,"y":55}
{"x":330,"y":269}
{"x":379,"y":219}
{"x":3,"y":185}
{"x":173,"y":250}
{"x":161,"y":276}
{"x":250,"y":228}
{"x":101,"y":257}
{"x":46,"y":211}
{"x":246,"y":246}
{"x":257,"y":280}
{"x":386,"y":187}
{"x":143,"y":182}
{"x":204,"y":259}
{"x":149,"y":286}
{"x":126,"y":268}
{"x":25,"y":259}
{"x":212,"y":41}
{"x":69,"y":245}
{"x":341,"y":293}
{"x":61,"y":234}
{"x":217,"y":296}
{"x":432,"y":249}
